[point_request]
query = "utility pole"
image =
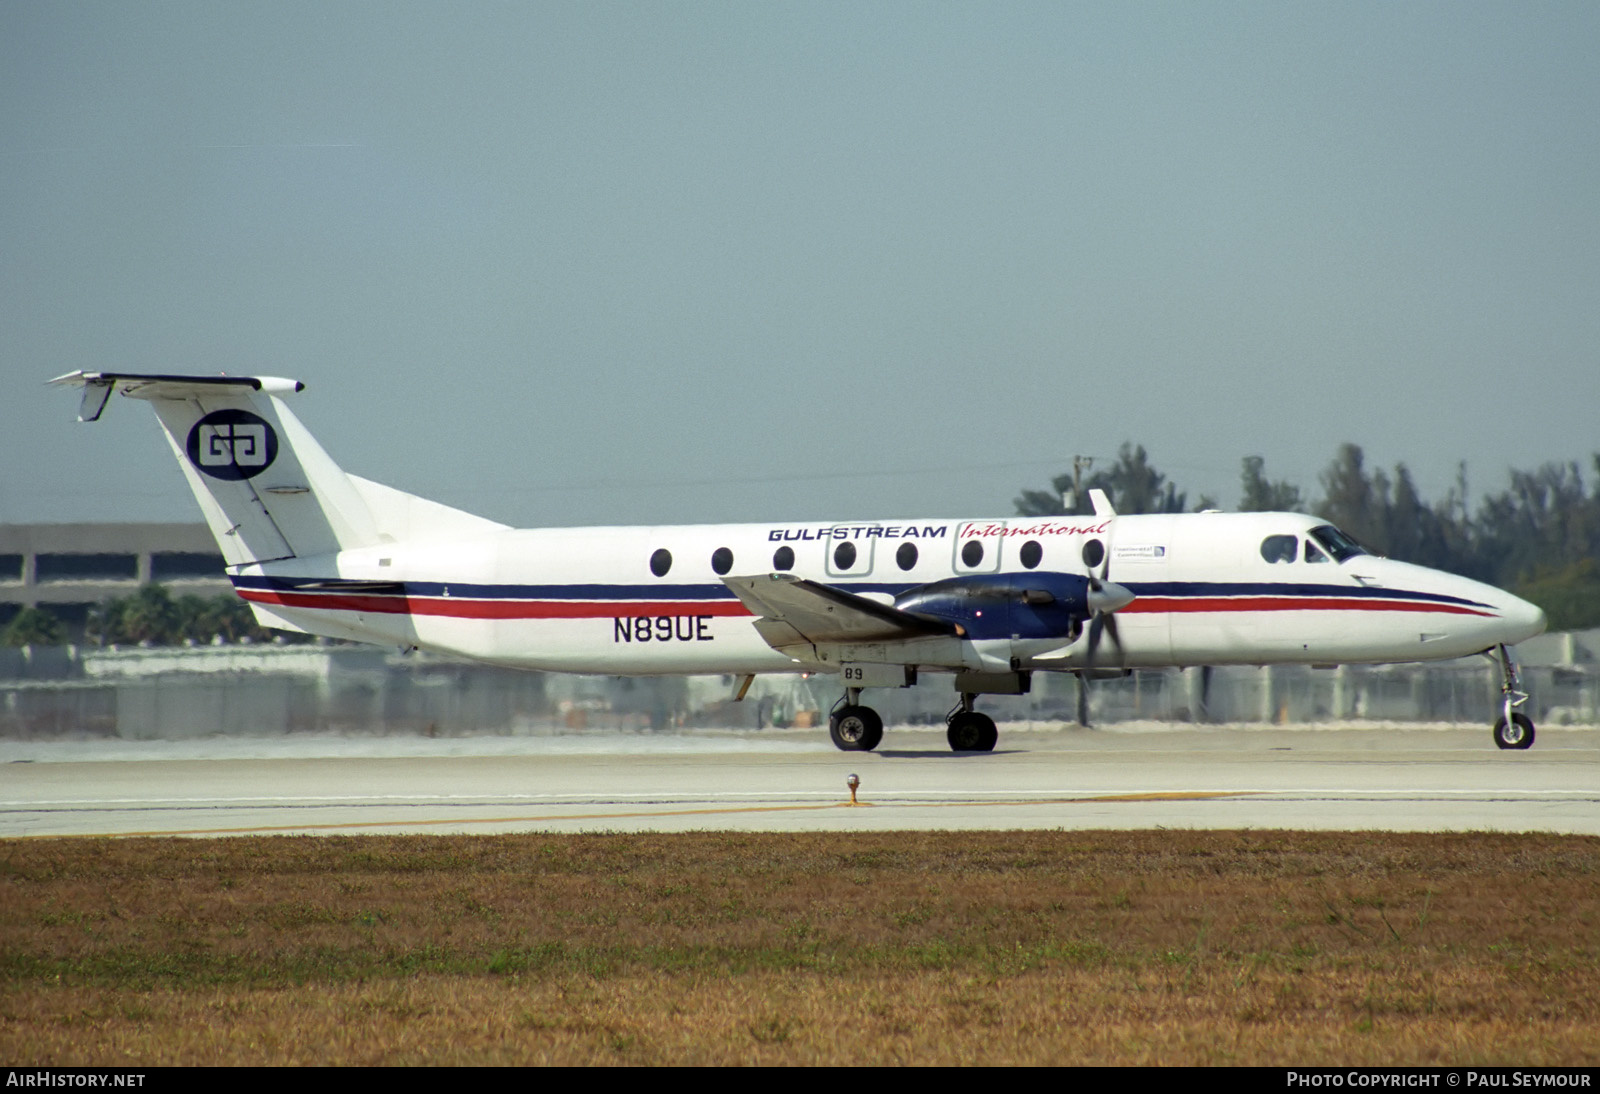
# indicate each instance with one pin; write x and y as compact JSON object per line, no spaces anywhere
{"x":1080,"y":464}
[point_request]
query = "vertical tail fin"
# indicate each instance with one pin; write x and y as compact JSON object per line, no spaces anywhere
{"x":267,"y":488}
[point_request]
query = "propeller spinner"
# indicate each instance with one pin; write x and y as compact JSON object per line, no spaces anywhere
{"x":1105,"y":598}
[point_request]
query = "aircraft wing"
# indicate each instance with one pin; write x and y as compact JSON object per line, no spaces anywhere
{"x":793,"y":610}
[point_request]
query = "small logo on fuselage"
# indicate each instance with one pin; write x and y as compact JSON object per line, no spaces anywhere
{"x":232,"y":445}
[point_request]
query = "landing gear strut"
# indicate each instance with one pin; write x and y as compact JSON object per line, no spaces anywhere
{"x":969,"y":731}
{"x":853,"y":727}
{"x":1513,"y":729}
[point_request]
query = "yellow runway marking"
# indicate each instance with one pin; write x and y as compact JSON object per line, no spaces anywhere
{"x":1165,"y":796}
{"x":1176,"y":795}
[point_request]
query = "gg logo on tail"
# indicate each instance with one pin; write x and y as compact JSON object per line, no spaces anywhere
{"x":232,"y":444}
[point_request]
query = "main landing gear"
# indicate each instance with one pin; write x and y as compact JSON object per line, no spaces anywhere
{"x":1513,"y":729}
{"x":969,"y":731}
{"x":855,"y":728}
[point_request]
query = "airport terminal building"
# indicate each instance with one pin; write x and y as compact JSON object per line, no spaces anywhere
{"x":70,"y":568}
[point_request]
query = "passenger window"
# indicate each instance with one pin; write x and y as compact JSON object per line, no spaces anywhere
{"x":1314,"y":555}
{"x":661,"y":562}
{"x":1031,"y":554}
{"x":1280,"y":548}
{"x":1094,"y":552}
{"x":844,"y":555}
{"x":906,"y":556}
{"x":783,"y":558}
{"x":722,"y":560}
{"x":971,"y":553}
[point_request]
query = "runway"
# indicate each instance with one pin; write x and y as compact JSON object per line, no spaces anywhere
{"x":1125,"y":777}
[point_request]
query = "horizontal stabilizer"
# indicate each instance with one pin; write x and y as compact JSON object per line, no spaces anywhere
{"x":97,"y":387}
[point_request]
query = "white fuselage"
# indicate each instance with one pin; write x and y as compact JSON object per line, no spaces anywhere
{"x":589,"y":600}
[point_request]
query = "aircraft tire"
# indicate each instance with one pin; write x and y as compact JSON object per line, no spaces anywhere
{"x":1518,"y":735}
{"x":855,"y":729}
{"x":970,"y":731}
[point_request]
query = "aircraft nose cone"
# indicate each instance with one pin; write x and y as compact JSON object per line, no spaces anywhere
{"x":1523,"y":619}
{"x":1109,"y":597}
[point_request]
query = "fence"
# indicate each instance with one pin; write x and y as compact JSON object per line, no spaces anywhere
{"x":268,"y":690}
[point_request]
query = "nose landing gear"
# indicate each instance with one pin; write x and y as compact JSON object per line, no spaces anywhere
{"x":1513,"y":729}
{"x":1518,"y":733}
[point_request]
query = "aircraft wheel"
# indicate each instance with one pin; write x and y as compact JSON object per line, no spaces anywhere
{"x":855,"y":729}
{"x":1519,"y":734}
{"x":972,"y":732}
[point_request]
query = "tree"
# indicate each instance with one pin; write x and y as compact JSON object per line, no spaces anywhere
{"x":1260,"y":496}
{"x":1131,"y":484}
{"x":226,"y":617}
{"x":149,"y":615}
{"x":33,"y":627}
{"x":1543,"y":524}
{"x":1045,"y":503}
{"x":152,"y":616}
{"x":1390,"y":517}
{"x":1354,"y":501}
{"x":1134,"y":486}
{"x":1570,"y":596}
{"x":1416,"y":532}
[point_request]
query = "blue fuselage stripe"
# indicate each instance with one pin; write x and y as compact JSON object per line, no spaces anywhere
{"x":720,"y":592}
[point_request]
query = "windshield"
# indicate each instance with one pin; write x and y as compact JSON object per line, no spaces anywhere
{"x":1337,"y":544}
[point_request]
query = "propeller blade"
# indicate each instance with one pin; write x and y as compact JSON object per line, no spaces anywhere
{"x":1103,"y":623}
{"x":1116,"y":639}
{"x":1105,"y":597}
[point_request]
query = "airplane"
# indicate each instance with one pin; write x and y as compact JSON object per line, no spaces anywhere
{"x":878,"y":603}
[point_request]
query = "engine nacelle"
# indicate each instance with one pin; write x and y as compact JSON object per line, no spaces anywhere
{"x":1032,"y":605}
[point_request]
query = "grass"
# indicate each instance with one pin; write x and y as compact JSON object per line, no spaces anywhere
{"x":718,"y":948}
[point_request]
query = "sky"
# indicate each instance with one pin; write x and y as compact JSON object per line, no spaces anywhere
{"x":598,"y":263}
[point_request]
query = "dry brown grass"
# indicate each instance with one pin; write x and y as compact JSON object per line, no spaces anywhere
{"x":1023,"y":947}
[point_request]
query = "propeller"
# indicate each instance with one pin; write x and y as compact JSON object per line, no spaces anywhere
{"x":1105,"y":598}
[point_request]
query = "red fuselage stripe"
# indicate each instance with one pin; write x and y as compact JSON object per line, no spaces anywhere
{"x":464,"y":608}
{"x":1289,"y":604}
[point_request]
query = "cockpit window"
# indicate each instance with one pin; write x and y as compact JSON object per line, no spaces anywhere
{"x":1314,"y":555}
{"x":1339,"y":545}
{"x":1280,"y":548}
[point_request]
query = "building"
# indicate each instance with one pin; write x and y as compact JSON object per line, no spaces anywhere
{"x":70,"y":568}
